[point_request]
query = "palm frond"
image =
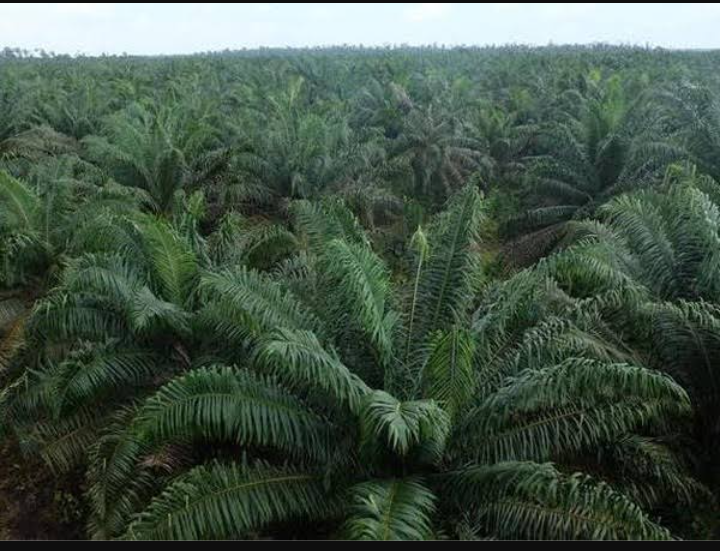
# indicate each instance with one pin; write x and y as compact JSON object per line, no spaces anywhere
{"x":231,"y":501}
{"x":451,"y":275}
{"x":401,"y":426}
{"x":172,"y":261}
{"x":391,"y":510}
{"x":448,"y":375}
{"x":299,"y":358}
{"x":233,"y":405}
{"x":264,"y":304}
{"x":360,"y":283}
{"x":532,"y":500}
{"x":571,"y":407}
{"x":18,"y":204}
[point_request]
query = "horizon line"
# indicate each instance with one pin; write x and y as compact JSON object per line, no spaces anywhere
{"x":42,"y":53}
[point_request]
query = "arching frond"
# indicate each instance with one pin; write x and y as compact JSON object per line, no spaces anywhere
{"x":63,"y":443}
{"x":103,"y":375}
{"x":360,"y":285}
{"x":402,"y":425}
{"x":118,"y":486}
{"x":62,"y":317}
{"x":256,"y":243}
{"x":231,"y":501}
{"x":263,"y":303}
{"x":572,"y":407}
{"x":36,"y":143}
{"x":233,"y":405}
{"x":451,"y":275}
{"x":18,"y":204}
{"x":322,"y":222}
{"x":172,"y":261}
{"x":120,"y":286}
{"x":642,"y":224}
{"x":391,"y":510}
{"x":535,"y":501}
{"x":652,"y":473}
{"x":686,"y":338}
{"x":298,"y":358}
{"x":448,"y":375}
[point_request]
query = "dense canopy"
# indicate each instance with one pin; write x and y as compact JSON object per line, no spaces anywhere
{"x":385,"y":294}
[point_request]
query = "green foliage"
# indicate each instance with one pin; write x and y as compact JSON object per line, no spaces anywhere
{"x":299,"y":358}
{"x":532,"y":500}
{"x":449,"y":374}
{"x":160,"y":151}
{"x":362,"y":287}
{"x":452,"y":273}
{"x":232,"y":405}
{"x":262,"y":294}
{"x":225,"y":502}
{"x":402,"y":425}
{"x":395,"y":510}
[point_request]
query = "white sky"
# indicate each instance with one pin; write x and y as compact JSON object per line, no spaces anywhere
{"x":184,"y":28}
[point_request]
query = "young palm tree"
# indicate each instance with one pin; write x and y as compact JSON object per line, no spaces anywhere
{"x":111,"y":329}
{"x":666,"y":242}
{"x":382,"y":106}
{"x":607,"y":144}
{"x":507,"y":142}
{"x":37,"y":225}
{"x":439,"y":154}
{"x":291,"y":152}
{"x":332,"y":397}
{"x":77,"y":108}
{"x":34,"y":144}
{"x":161,"y":151}
{"x":692,"y":116}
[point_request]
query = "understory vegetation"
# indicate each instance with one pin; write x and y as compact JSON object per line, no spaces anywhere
{"x":400,"y":294}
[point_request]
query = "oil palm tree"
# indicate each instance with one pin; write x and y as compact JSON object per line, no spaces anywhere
{"x":38,"y":222}
{"x":289,"y":151}
{"x":160,"y":151}
{"x":665,"y":242}
{"x":35,"y":143}
{"x":507,"y":142}
{"x":440,"y":155}
{"x":371,"y":411}
{"x":110,"y":328}
{"x":382,"y":106}
{"x":691,"y":114}
{"x":602,"y":145}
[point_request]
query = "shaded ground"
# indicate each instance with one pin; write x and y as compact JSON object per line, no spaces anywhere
{"x":34,"y":503}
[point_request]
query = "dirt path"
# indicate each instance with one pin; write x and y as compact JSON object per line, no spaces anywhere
{"x":34,"y":503}
{"x":9,"y":510}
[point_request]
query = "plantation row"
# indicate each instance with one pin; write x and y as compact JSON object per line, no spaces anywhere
{"x":368,"y":294}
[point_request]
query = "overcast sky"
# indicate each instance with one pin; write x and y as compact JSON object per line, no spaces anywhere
{"x":96,"y":28}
